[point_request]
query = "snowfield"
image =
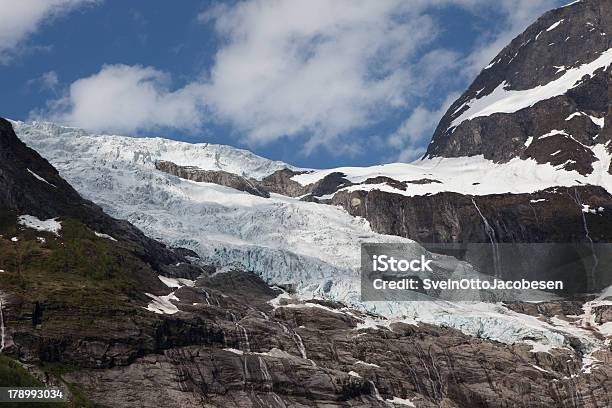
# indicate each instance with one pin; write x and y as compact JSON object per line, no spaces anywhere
{"x":313,"y":246}
{"x":473,"y":175}
{"x":502,"y":100}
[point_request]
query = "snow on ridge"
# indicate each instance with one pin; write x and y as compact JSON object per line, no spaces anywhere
{"x":50,"y":225}
{"x":554,"y":132}
{"x":473,"y":175}
{"x":502,"y":100}
{"x":572,"y":3}
{"x":600,"y":122}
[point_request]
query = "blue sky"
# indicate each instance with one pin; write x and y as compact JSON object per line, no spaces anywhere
{"x":321,"y":83}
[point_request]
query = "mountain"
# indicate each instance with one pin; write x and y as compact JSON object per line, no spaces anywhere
{"x":82,"y":310}
{"x":253,"y":299}
{"x":545,"y":96}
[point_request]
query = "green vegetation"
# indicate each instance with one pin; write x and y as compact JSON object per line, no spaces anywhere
{"x":87,"y":287}
{"x":75,"y":270}
{"x":12,"y":374}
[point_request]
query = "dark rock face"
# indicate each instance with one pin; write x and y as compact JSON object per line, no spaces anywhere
{"x":222,"y":178}
{"x":552,"y":215}
{"x":280,"y":182}
{"x":227,"y":347}
{"x":538,"y":56}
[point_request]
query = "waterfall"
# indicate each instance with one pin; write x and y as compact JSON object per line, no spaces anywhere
{"x":244,"y":336}
{"x":535,"y":214}
{"x":491,"y":234}
{"x":278,"y":400}
{"x":376,"y":393}
{"x":206,"y":297}
{"x":246,"y":369}
{"x":300,"y":345}
{"x":2,"y":328}
{"x":588,"y":237}
{"x":267,"y":378}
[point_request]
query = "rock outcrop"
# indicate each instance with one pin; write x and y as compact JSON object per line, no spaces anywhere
{"x":222,"y":178}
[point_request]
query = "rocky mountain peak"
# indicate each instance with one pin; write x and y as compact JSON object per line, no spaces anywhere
{"x":545,"y":96}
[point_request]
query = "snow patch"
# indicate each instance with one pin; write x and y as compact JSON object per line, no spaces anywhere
{"x":36,"y":176}
{"x":555,"y":25}
{"x":162,"y":304}
{"x":233,"y":350}
{"x":50,"y":225}
{"x":539,"y":368}
{"x":176,"y":282}
{"x":367,"y":364}
{"x":537,"y":347}
{"x":105,"y":236}
{"x":401,"y":401}
{"x":598,"y":121}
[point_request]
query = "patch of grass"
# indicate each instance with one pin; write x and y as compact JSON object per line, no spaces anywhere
{"x":76,"y":269}
{"x":12,"y":374}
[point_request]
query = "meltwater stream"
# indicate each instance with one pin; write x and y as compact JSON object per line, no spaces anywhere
{"x":491,"y":234}
{"x":2,"y":328}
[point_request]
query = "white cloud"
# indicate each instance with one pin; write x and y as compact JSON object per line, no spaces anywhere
{"x":47,"y":81}
{"x":21,"y":18}
{"x":319,"y":70}
{"x":123,"y":98}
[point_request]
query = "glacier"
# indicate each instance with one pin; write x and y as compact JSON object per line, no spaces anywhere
{"x":314,"y":247}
